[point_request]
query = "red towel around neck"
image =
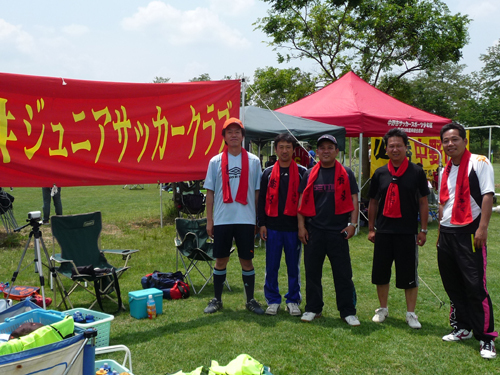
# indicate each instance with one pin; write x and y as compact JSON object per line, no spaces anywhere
{"x":392,"y":205}
{"x":241,"y":195}
{"x":292,"y":197}
{"x":461,"y":213}
{"x":343,"y":199}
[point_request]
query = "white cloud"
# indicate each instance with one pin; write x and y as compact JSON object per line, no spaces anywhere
{"x":10,"y":34}
{"x":179,"y":27}
{"x":75,"y":30}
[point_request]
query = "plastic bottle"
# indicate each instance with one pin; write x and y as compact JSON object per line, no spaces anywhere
{"x":106,"y":368}
{"x":151,"y":307}
{"x":89,"y":318}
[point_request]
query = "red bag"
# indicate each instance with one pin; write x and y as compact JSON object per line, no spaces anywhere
{"x":180,"y":290}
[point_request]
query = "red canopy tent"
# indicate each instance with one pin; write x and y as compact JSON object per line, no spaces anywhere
{"x":363,"y":109}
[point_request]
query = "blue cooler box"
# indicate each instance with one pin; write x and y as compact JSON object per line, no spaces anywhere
{"x":139,"y":298}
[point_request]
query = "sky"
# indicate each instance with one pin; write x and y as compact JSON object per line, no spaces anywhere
{"x":136,"y":41}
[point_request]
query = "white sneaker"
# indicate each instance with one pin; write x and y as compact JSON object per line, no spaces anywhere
{"x":352,"y":320}
{"x":380,"y":314}
{"x":293,"y":309}
{"x":272,"y":309}
{"x":412,"y":320}
{"x":458,"y":335}
{"x":487,"y":349}
{"x":310,"y":316}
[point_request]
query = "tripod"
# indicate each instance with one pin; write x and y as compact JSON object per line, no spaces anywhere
{"x":35,"y":232}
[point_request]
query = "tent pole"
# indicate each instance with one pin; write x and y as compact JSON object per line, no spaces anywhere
{"x":243,"y":90}
{"x":359,"y":177}
{"x":350,"y":152}
{"x":161,"y":206}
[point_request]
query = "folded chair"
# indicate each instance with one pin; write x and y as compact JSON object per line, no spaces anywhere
{"x":82,"y":261}
{"x":194,"y":246}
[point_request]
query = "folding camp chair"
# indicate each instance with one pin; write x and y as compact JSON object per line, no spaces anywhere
{"x":188,"y":199}
{"x":192,"y":242}
{"x":6,"y":214}
{"x":81,"y":259}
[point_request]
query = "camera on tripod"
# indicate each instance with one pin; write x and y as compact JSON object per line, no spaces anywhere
{"x":34,"y":215}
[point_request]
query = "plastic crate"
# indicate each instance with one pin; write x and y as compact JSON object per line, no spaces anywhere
{"x":115,"y":366}
{"x":44,"y":317}
{"x":102,"y":324}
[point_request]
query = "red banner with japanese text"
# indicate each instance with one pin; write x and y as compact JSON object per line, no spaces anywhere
{"x":79,"y":133}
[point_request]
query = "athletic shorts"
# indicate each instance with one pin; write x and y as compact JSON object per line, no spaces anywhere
{"x":403,"y":250}
{"x":243,"y":234}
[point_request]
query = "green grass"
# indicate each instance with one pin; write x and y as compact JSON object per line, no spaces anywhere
{"x":183,"y":337}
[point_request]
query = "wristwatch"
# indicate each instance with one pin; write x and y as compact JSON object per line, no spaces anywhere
{"x":423,"y":231}
{"x":355,"y":225}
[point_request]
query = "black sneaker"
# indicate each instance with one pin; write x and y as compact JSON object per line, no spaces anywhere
{"x":213,"y":306}
{"x":254,"y":306}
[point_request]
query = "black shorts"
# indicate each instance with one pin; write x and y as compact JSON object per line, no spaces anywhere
{"x":403,"y":250}
{"x":243,"y":235}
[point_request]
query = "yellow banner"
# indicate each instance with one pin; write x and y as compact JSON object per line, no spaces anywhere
{"x":417,"y":153}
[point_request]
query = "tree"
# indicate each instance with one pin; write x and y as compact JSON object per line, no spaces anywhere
{"x":275,"y":87}
{"x":491,"y":69}
{"x":444,"y":90}
{"x":161,"y":80}
{"x":201,"y":77}
{"x":370,"y":37}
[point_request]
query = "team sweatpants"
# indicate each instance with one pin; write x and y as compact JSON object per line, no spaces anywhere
{"x":277,"y":241}
{"x":463,"y":272}
{"x":327,"y":243}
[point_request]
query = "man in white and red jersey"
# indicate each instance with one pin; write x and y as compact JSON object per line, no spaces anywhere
{"x":465,"y":206}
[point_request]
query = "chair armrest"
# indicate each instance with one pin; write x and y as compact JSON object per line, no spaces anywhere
{"x":57,"y":258}
{"x":119,"y":252}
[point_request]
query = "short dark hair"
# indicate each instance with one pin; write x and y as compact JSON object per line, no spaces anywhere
{"x":395,"y":133}
{"x":451,"y":126}
{"x":284,"y":137}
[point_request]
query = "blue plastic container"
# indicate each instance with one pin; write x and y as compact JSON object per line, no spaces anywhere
{"x":138,"y":300}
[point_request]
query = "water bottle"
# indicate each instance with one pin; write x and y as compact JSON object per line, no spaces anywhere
{"x":89,"y":318}
{"x":151,"y":307}
{"x":106,"y":367}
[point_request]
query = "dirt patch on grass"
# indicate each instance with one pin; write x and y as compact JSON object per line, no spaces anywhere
{"x":149,"y":223}
{"x":111,"y":229}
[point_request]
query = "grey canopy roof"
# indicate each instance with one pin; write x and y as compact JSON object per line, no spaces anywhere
{"x":262,"y":125}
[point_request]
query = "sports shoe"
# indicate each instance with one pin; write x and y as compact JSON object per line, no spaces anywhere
{"x":254,"y":306}
{"x":293,"y":309}
{"x":213,"y":306}
{"x":352,"y":320}
{"x":458,"y":335}
{"x":412,"y":320}
{"x":380,"y":314}
{"x":310,"y":316}
{"x":272,"y":309}
{"x":487,"y":349}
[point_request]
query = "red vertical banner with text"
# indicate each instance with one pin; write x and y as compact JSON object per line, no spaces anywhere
{"x":80,"y":133}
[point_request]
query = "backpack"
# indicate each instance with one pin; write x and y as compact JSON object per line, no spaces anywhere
{"x":170,"y":283}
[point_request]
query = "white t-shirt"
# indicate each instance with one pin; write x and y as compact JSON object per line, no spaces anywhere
{"x":484,"y":171}
{"x":233,"y":213}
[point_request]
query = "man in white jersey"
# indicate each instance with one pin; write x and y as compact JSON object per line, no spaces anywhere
{"x":233,"y":183}
{"x":465,"y":206}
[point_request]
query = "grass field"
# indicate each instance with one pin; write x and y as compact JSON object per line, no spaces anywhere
{"x":185,"y":338}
